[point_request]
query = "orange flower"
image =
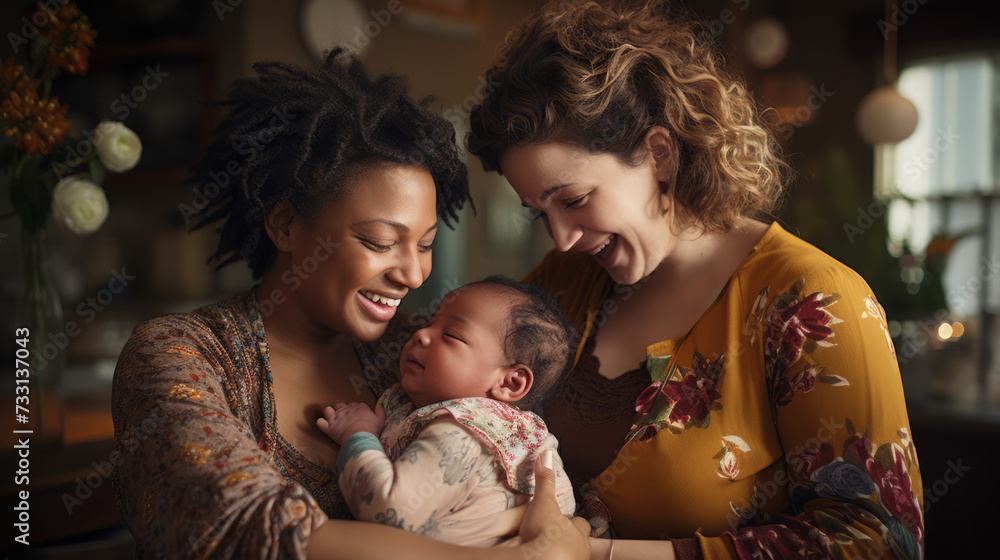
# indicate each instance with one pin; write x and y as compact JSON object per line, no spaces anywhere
{"x":36,"y":124}
{"x":69,"y":35}
{"x":12,"y":76}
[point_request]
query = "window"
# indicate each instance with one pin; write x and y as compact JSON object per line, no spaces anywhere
{"x":944,"y":224}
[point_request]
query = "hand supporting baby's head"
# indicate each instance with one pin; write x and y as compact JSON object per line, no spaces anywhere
{"x":494,"y":338}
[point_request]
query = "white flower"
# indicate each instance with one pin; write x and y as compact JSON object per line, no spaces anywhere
{"x":118,"y":147}
{"x":79,"y":205}
{"x":729,"y":466}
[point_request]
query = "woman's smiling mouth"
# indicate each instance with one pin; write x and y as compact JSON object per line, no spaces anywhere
{"x":378,"y":306}
{"x":601,"y":247}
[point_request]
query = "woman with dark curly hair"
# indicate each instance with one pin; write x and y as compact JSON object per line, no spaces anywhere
{"x":329,"y":184}
{"x":735,"y":392}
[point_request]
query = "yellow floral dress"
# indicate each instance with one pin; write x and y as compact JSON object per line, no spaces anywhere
{"x":776,"y":428}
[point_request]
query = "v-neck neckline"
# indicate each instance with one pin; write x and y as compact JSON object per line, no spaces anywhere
{"x":669,"y":346}
{"x":268,"y":401}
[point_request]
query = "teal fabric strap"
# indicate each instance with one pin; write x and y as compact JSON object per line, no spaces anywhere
{"x":361,"y":441}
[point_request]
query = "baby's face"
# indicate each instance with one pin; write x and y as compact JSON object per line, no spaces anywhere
{"x":458,"y":354}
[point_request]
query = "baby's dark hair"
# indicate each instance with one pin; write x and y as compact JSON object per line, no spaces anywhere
{"x":538,"y":334}
{"x":304,"y":136}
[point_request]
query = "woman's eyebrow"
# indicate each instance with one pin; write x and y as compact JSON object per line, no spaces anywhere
{"x":548,"y":192}
{"x":393,"y":224}
{"x":390,"y":223}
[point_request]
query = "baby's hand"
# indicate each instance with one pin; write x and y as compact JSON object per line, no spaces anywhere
{"x":341,"y":421}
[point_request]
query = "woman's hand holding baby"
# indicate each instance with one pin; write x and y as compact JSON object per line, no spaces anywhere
{"x":545,"y":532}
{"x":341,"y":421}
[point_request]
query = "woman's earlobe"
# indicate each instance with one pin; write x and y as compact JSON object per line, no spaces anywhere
{"x":278,"y":225}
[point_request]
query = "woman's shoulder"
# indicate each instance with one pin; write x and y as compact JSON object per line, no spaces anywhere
{"x":207,"y":320}
{"x":781,"y":258}
{"x":208,"y":332}
{"x":204,"y":354}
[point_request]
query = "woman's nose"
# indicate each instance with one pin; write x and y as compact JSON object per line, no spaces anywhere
{"x":564,"y":233}
{"x":410,"y":270}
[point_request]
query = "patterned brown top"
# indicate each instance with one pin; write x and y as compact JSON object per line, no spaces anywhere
{"x":200,"y":468}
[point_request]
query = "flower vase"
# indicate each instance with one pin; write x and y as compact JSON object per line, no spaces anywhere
{"x":37,"y":335}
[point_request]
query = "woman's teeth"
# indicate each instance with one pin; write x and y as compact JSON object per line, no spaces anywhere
{"x":381,"y":299}
{"x":603,"y":245}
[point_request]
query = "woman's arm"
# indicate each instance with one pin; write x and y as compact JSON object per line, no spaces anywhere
{"x":190,"y":478}
{"x":545,"y":534}
{"x":850,"y":472}
{"x":849,"y":484}
{"x":621,"y":549}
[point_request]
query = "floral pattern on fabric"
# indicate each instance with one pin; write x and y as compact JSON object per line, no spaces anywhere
{"x":446,"y":482}
{"x":795,"y":325}
{"x":872,"y":487}
{"x":786,"y":309}
{"x":753,"y":516}
{"x":795,"y":539}
{"x":875,"y":311}
{"x":515,"y":437}
{"x":595,"y":512}
{"x":733,"y":447}
{"x":684,"y":400}
{"x":877,"y":480}
{"x":203,"y":470}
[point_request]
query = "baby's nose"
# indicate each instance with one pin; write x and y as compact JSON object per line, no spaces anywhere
{"x":422,"y":337}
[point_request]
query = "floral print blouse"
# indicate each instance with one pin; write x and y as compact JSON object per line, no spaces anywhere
{"x":776,"y":428}
{"x":200,"y":469}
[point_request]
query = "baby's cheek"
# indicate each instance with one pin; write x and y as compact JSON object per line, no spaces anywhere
{"x":402,"y":354}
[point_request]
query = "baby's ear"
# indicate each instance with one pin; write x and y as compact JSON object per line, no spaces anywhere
{"x":514,"y":385}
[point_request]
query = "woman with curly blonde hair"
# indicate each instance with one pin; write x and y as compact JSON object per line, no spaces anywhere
{"x":735,"y":392}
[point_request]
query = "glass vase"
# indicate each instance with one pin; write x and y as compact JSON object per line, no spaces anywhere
{"x":39,"y":330}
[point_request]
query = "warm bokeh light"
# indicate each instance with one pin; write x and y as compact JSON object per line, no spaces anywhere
{"x":958,"y":329}
{"x":944,"y":331}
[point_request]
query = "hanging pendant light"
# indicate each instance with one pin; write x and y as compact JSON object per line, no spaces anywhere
{"x":885,"y":116}
{"x":765,"y":43}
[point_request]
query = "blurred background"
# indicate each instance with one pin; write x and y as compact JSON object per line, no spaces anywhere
{"x":899,"y":184}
